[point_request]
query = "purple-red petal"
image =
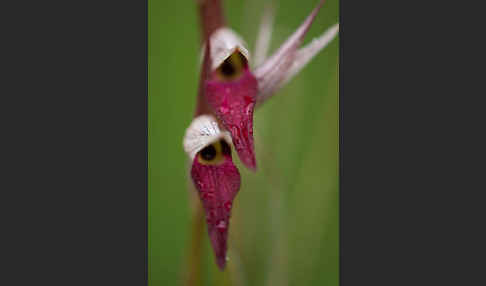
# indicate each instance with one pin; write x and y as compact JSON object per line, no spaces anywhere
{"x":233,"y":103}
{"x":217,"y":186}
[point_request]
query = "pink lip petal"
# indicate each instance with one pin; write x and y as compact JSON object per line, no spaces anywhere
{"x":217,"y":186}
{"x":233,"y":103}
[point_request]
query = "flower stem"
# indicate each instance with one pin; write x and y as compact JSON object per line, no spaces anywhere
{"x":210,"y":16}
{"x":197,"y":231}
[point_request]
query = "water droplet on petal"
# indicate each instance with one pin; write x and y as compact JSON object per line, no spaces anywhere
{"x":207,"y":195}
{"x":248,"y":100}
{"x":210,"y":216}
{"x":227,"y":206}
{"x":249,"y":109}
{"x":224,"y":110}
{"x":221,"y":225}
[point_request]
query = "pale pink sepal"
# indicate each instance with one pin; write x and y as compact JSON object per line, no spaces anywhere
{"x":304,"y":55}
{"x":264,"y":37}
{"x":288,"y":60}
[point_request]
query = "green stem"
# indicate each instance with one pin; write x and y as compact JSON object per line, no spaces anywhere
{"x":197,"y":231}
{"x":211,"y":18}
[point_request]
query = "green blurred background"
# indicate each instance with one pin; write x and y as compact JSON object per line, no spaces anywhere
{"x":284,"y":227}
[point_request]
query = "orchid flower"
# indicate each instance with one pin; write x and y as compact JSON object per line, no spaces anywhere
{"x":231,"y":90}
{"x":216,"y":177}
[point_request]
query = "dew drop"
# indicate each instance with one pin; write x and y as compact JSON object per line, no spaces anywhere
{"x":224,"y":110}
{"x":200,"y":184}
{"x":221,"y":225}
{"x":248,"y":100}
{"x":227,"y":206}
{"x":210,"y":216}
{"x":205,"y":196}
{"x":249,"y":109}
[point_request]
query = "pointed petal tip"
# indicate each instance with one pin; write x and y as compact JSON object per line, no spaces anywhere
{"x":221,"y":262}
{"x":219,"y":238}
{"x":244,"y":146}
{"x":217,"y":186}
{"x":247,"y":157}
{"x":251,"y":164}
{"x":331,"y":32}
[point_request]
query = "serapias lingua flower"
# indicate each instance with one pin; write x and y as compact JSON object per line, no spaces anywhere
{"x":215,"y":176}
{"x":232,"y":90}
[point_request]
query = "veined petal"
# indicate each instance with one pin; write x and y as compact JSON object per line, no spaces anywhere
{"x":230,"y":91}
{"x":217,"y":181}
{"x":233,"y":102}
{"x":273,"y":71}
{"x":215,"y":177}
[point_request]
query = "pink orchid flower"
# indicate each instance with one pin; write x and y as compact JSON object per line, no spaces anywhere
{"x":232,"y":90}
